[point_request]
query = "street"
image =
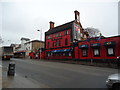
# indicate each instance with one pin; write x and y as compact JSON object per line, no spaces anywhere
{"x":0,"y":74}
{"x":45,"y":74}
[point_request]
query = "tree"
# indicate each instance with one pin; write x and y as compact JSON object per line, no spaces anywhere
{"x":93,"y":32}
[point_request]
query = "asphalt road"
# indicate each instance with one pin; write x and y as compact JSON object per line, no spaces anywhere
{"x":44,"y":74}
{"x":0,"y":75}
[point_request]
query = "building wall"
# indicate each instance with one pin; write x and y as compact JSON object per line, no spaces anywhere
{"x":103,"y":49}
{"x":60,"y":39}
{"x":23,"y":44}
{"x":37,"y":45}
{"x":57,"y":42}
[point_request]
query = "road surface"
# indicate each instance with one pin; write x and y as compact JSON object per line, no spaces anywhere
{"x":44,"y":74}
{"x":0,"y":75}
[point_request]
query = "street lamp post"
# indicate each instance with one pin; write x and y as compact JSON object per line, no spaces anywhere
{"x":40,"y":40}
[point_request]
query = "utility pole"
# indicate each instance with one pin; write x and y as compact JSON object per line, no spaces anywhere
{"x":40,"y":42}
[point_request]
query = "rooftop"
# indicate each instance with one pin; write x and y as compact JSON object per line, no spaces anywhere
{"x":60,"y":28}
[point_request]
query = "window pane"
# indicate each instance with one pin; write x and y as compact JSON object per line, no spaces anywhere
{"x":110,"y":51}
{"x":84,"y":52}
{"x":96,"y":52}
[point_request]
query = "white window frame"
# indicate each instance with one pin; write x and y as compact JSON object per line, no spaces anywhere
{"x":96,"y":52}
{"x":110,"y":51}
{"x":84,"y":52}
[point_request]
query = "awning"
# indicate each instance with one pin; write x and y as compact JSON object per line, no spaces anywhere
{"x":67,"y":50}
{"x":53,"y":51}
{"x":62,"y":50}
{"x":56,"y":51}
{"x":83,"y":46}
{"x":95,"y":45}
{"x":110,"y":43}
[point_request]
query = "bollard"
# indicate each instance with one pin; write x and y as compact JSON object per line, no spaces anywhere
{"x":11,"y":69}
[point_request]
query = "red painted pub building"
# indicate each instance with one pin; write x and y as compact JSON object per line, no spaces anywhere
{"x":70,"y":41}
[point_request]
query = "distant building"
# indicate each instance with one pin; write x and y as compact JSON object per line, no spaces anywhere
{"x":27,"y":46}
{"x":34,"y":46}
{"x":23,"y":41}
{"x":16,"y":47}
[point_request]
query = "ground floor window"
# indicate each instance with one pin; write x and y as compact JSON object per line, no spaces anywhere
{"x":96,"y":52}
{"x":48,"y":54}
{"x":58,"y":54}
{"x":69,"y":53}
{"x":110,"y":51}
{"x":84,"y":52}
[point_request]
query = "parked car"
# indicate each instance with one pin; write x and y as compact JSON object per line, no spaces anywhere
{"x":113,"y":81}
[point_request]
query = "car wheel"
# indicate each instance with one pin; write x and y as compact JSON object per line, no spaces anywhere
{"x":116,"y":87}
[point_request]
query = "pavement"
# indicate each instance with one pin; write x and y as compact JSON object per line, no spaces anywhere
{"x":16,"y":81}
{"x":0,"y":74}
{"x":45,"y":74}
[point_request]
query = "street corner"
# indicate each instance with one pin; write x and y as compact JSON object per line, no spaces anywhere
{"x":0,"y":77}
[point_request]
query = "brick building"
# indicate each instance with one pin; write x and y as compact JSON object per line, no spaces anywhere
{"x":59,"y":39}
{"x":103,"y":49}
{"x":70,"y":41}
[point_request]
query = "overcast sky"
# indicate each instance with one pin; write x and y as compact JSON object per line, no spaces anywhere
{"x":23,"y":19}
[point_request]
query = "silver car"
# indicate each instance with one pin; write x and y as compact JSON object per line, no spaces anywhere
{"x":113,"y":81}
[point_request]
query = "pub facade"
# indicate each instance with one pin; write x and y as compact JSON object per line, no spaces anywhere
{"x":70,"y":41}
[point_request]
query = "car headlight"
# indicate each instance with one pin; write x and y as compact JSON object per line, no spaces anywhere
{"x":108,"y":80}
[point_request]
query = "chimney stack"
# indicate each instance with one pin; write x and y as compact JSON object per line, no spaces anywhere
{"x":77,"y":16}
{"x":51,"y":24}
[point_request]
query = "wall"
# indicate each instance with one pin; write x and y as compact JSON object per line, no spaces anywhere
{"x":103,"y":49}
{"x":60,"y":38}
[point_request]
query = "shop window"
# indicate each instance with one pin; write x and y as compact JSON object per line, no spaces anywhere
{"x":51,"y":54}
{"x":64,"y":54}
{"x":66,"y":41}
{"x":110,"y":51}
{"x":69,"y":53}
{"x":48,"y":54}
{"x":84,"y":52}
{"x":96,"y":52}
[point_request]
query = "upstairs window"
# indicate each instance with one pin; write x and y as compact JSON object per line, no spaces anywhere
{"x":59,"y":43}
{"x":60,"y":34}
{"x":53,"y":35}
{"x":66,"y":32}
{"x":49,"y":37}
{"x":57,"y":35}
{"x":48,"y":44}
{"x":66,"y":41}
